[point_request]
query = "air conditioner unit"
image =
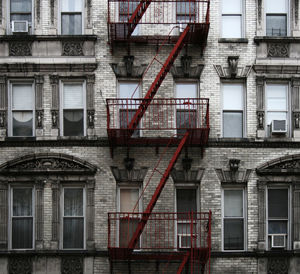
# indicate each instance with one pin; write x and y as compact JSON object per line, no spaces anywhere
{"x":278,"y":126}
{"x":184,"y":240}
{"x":19,"y":26}
{"x":278,"y":240}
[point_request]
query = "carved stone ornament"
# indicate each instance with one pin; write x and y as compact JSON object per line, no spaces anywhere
{"x":278,"y":265}
{"x":186,"y":62}
{"x":47,"y":163}
{"x":54,"y":118}
{"x":129,"y":163}
{"x":187,"y":163}
{"x":20,"y":264}
{"x":186,"y":70}
{"x":190,"y":176}
{"x":260,"y":119}
{"x":278,"y":50}
{"x":238,"y":72}
{"x":234,"y":164}
{"x":296,"y":119}
{"x":287,"y":165}
{"x":72,"y":265}
{"x":39,"y":118}
{"x":233,"y":176}
{"x":128,"y":62}
{"x":133,"y":175}
{"x":2,"y":119}
{"x":20,"y":48}
{"x":91,"y":118}
{"x":72,"y":48}
{"x":233,"y":63}
{"x":122,"y":71}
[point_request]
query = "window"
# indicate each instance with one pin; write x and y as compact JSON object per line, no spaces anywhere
{"x":73,"y":212}
{"x":233,"y":110}
{"x":232,"y":18}
{"x":126,"y":9}
{"x":73,"y":114}
{"x":278,"y":217}
{"x":20,"y":11}
{"x":276,"y":17}
{"x":22,"y":218}
{"x":186,"y":112}
{"x":233,"y":219}
{"x":22,"y":109}
{"x":71,"y":17}
{"x":128,"y":203}
{"x":276,"y":103}
{"x":186,"y":11}
{"x":129,"y":92}
{"x":186,"y":203}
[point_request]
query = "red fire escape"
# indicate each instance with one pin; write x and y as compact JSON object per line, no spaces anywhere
{"x":133,"y":121}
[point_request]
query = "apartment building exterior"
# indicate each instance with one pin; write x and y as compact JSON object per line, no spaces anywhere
{"x":149,"y":136}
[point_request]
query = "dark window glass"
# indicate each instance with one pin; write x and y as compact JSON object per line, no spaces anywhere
{"x":233,"y":234}
{"x":278,"y":203}
{"x":277,"y":227}
{"x":22,"y":123}
{"x":185,"y":119}
{"x":186,"y":202}
{"x":125,"y":119}
{"x":276,"y":25}
{"x":73,"y":123}
{"x":22,"y":230}
{"x":232,"y":124}
{"x":127,"y":228}
{"x":126,"y":9}
{"x":185,"y":11}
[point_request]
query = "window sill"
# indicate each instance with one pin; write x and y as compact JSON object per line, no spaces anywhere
{"x":233,"y":40}
{"x":276,"y":39}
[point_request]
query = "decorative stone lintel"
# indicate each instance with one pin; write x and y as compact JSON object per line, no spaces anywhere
{"x":225,"y":72}
{"x":134,"y":175}
{"x":121,"y":71}
{"x":72,"y":48}
{"x":233,"y":177}
{"x":190,"y":176}
{"x":20,"y":48}
{"x":278,"y":50}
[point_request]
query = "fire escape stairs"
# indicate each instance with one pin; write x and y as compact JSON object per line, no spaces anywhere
{"x":137,"y":15}
{"x":184,"y":262}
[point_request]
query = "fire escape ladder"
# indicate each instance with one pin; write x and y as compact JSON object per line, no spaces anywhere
{"x":137,"y":15}
{"x":146,"y":214}
{"x":184,"y":262}
{"x":157,"y":82}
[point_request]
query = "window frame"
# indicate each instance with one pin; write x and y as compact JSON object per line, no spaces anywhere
{"x":244,"y":191}
{"x":190,"y":17}
{"x":10,"y":214}
{"x":61,"y":106}
{"x":289,"y":220}
{"x":10,"y":105}
{"x":72,"y":186}
{"x":31,"y":24}
{"x":60,"y":12}
{"x":243,"y":111}
{"x":242,"y":19}
{"x":120,"y":14}
{"x":288,"y":19}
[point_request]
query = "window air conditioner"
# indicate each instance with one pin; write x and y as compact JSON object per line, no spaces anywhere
{"x":278,"y":126}
{"x":278,"y":240}
{"x":19,"y":26}
{"x":184,"y":240}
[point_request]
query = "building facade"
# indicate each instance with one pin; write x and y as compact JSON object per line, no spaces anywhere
{"x":152,"y":136}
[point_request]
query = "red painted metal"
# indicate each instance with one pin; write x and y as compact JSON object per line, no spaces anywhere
{"x":159,"y":188}
{"x":157,"y":82}
{"x":184,"y":261}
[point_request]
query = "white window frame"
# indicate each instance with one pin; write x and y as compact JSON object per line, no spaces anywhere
{"x":140,"y":204}
{"x":288,"y":18}
{"x":31,"y":25}
{"x":185,"y":186}
{"x":242,"y":16}
{"x":231,"y":110}
{"x":288,"y":107}
{"x":62,"y":215}
{"x":244,"y":217}
{"x":61,"y":105}
{"x":60,"y":16}
{"x":289,"y":220}
{"x":10,"y":110}
{"x":10,"y":212}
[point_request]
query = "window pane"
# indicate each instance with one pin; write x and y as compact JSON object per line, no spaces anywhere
{"x":125,"y":119}
{"x":185,"y":8}
{"x":22,"y":202}
{"x":186,"y":91}
{"x":127,"y":7}
{"x":233,"y":203}
{"x":186,"y":201}
{"x":127,"y":90}
{"x":128,"y":199}
{"x":185,"y":119}
{"x":20,"y":17}
{"x":127,"y":228}
{"x":231,"y":6}
{"x":278,"y":203}
{"x":71,"y":24}
{"x":73,"y":96}
{"x":276,"y":97}
{"x":233,"y":124}
{"x":20,"y":6}
{"x":73,"y":233}
{"x":73,"y":202}
{"x":233,"y":98}
{"x":22,"y":123}
{"x":277,"y":227}
{"x":275,"y":116}
{"x":22,"y":97}
{"x":71,"y":5}
{"x":280,"y":7}
{"x":233,"y":234}
{"x":22,"y":231}
{"x":232,"y":26}
{"x":73,"y":123}
{"x":276,"y":25}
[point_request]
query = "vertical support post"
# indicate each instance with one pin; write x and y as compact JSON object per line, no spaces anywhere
{"x":261,"y":186}
{"x":90,"y":214}
{"x":39,"y":211}
{"x":3,"y":215}
{"x":55,"y":213}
